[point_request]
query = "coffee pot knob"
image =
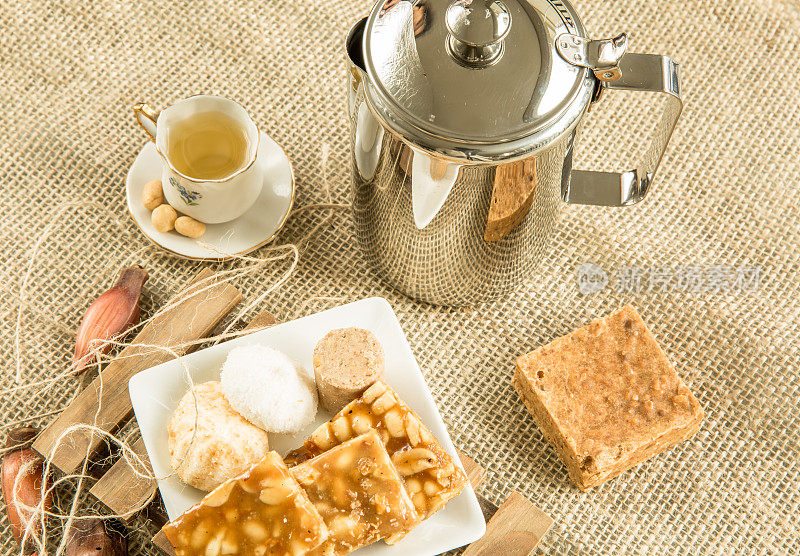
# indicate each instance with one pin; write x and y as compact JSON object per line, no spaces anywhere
{"x":477,"y":29}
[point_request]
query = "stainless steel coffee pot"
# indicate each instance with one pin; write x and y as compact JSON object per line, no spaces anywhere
{"x":464,"y":115}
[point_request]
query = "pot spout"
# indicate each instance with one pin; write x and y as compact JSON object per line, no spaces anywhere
{"x":355,"y":57}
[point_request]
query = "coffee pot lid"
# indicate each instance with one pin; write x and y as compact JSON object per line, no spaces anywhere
{"x":475,"y":79}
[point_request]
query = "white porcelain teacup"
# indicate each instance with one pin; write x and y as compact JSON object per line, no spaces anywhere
{"x":209,"y":200}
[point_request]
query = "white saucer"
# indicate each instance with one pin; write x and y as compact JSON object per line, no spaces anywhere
{"x":254,"y":228}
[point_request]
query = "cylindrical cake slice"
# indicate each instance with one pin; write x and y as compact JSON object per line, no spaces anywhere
{"x":347,"y":361}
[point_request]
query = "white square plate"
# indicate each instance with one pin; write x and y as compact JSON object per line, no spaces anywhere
{"x":156,"y":392}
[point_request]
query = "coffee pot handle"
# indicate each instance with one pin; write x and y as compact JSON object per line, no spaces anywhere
{"x":147,"y":118}
{"x":640,"y":72}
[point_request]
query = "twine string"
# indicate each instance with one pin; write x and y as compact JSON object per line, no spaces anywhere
{"x":236,"y":268}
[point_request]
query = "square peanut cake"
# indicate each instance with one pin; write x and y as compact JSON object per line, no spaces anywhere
{"x":263,"y":512}
{"x":606,"y":397}
{"x":431,"y":476}
{"x":358,"y":492}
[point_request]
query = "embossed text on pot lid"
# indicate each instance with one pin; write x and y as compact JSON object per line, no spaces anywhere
{"x":479,"y":71}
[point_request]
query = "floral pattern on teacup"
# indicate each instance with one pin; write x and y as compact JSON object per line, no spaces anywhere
{"x":189,"y":197}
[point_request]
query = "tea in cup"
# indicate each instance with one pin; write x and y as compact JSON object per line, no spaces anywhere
{"x":208,"y":147}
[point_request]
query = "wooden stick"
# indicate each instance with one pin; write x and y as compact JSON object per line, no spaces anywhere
{"x":120,"y":489}
{"x":105,"y":402}
{"x":262,"y":320}
{"x":161,"y":541}
{"x":515,"y":529}
{"x":475,"y":473}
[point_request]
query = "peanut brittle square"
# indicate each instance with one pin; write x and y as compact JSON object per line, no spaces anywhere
{"x":431,"y":476}
{"x":606,"y":397}
{"x":261,"y":512}
{"x":358,"y":492}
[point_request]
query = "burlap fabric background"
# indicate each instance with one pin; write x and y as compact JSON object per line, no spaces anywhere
{"x":727,"y":196}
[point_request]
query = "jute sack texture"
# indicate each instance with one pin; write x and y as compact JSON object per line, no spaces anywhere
{"x":726,"y":201}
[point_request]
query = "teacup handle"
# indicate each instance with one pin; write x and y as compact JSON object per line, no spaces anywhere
{"x":147,"y":118}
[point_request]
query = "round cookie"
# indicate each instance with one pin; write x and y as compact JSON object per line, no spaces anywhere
{"x":346,"y":362}
{"x":222,"y":445}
